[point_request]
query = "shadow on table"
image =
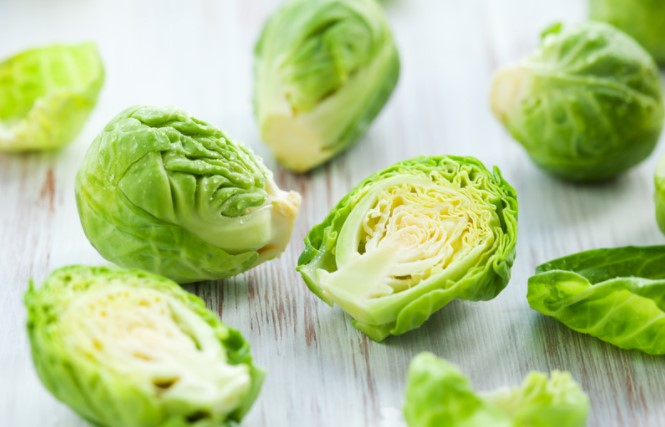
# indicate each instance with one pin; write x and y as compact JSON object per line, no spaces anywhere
{"x":446,"y":327}
{"x":560,"y":345}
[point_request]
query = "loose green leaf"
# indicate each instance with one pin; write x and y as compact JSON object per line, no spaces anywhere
{"x":644,"y":20}
{"x":616,"y":295}
{"x":126,"y":348}
{"x":165,"y":192}
{"x":324,"y":70}
{"x":46,"y":95}
{"x":586,"y":106}
{"x":438,"y":395}
{"x":411,"y":238}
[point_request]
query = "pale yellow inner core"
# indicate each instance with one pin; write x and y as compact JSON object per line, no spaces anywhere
{"x":428,"y":227}
{"x":154,"y":341}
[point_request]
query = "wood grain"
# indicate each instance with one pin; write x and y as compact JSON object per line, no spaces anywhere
{"x":321,"y":372}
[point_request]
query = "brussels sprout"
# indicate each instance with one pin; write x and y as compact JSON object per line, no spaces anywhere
{"x":126,"y":348}
{"x":411,"y":238}
{"x":586,"y":106}
{"x":46,"y":95}
{"x":617,"y":295}
{"x":644,"y":20}
{"x":438,"y":395}
{"x":659,"y":196}
{"x":324,"y":70}
{"x":162,"y":191}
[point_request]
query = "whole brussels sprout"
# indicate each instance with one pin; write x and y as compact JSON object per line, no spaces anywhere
{"x":126,"y":348}
{"x":324,"y":70}
{"x":46,"y":95}
{"x":439,"y":395}
{"x":644,"y":20}
{"x":411,"y":238}
{"x":162,"y":191}
{"x":586,"y":106}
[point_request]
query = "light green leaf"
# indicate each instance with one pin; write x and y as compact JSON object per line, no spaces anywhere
{"x":438,"y":395}
{"x":46,"y":95}
{"x":616,"y":295}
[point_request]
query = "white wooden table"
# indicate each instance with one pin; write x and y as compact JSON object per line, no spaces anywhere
{"x":197,"y":55}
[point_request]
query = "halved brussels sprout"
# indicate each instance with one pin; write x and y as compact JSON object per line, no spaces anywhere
{"x":586,"y":106}
{"x":324,"y":70}
{"x":411,"y":238}
{"x":46,"y":95}
{"x":438,"y":395}
{"x":616,"y":295}
{"x":644,"y":20}
{"x":165,"y":192}
{"x":126,"y":348}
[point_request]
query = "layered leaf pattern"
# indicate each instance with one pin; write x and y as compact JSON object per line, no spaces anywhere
{"x":587,"y":105}
{"x":129,"y":348}
{"x":165,"y":192}
{"x":411,"y":238}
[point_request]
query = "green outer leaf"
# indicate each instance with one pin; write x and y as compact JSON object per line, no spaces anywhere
{"x":659,"y":194}
{"x":557,"y":401}
{"x":482,"y":279}
{"x":327,"y":68}
{"x":644,"y":20}
{"x":46,"y":95}
{"x":162,"y":191}
{"x":438,"y":395}
{"x":598,"y":265}
{"x":586,"y":106}
{"x":616,"y":295}
{"x":97,"y":393}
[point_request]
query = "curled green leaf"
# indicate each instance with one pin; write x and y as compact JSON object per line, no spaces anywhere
{"x":616,"y":295}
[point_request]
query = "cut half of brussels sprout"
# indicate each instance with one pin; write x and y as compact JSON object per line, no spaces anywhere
{"x":586,"y":106}
{"x":125,"y":348}
{"x":616,"y":295}
{"x":438,"y":395}
{"x":644,"y":20}
{"x":46,"y":95}
{"x":165,"y":192}
{"x":411,"y":238}
{"x":324,"y":70}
